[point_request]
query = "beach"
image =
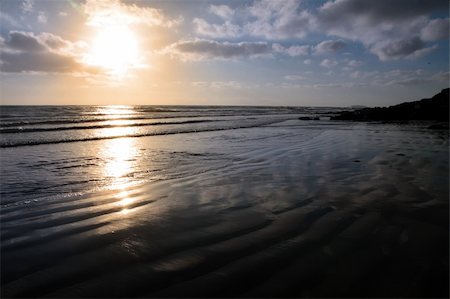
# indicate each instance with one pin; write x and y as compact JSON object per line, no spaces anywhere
{"x":221,"y":202}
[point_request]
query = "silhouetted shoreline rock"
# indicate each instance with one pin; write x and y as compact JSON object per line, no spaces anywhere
{"x":436,"y":108}
{"x":309,"y":118}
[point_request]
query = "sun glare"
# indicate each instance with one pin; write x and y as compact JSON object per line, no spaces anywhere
{"x":114,"y":49}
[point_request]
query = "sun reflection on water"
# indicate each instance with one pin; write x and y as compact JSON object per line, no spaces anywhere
{"x":116,"y":111}
{"x":120,"y":157}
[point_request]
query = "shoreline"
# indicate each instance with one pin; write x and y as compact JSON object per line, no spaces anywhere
{"x":333,"y":214}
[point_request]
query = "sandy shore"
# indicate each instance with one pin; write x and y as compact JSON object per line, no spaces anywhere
{"x":356,"y":211}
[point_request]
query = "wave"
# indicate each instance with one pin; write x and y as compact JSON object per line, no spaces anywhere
{"x":8,"y":144}
{"x":28,"y":130}
{"x":61,"y":121}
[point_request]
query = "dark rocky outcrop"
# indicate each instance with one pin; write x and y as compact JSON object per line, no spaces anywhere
{"x":309,"y":118}
{"x":436,"y":108}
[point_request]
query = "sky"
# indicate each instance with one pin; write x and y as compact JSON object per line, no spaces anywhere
{"x":185,"y":52}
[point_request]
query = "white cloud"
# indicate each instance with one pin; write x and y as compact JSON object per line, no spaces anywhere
{"x":5,"y":18}
{"x":278,"y":20}
{"x":42,"y":18}
{"x":264,"y":19}
{"x":294,"y":77}
{"x":399,"y":77}
{"x":328,"y":63}
{"x":354,"y":63}
{"x":333,"y":85}
{"x":409,"y":82}
{"x":63,"y":14}
{"x":226,"y":29}
{"x":201,"y":49}
{"x":329,"y":46}
{"x":113,"y":12}
{"x":223,"y":11}
{"x":219,"y":84}
{"x":292,"y":51}
{"x":27,"y":6}
{"x":363,"y":74}
{"x":307,"y":61}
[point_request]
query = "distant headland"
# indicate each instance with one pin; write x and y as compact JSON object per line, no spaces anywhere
{"x":435,"y":108}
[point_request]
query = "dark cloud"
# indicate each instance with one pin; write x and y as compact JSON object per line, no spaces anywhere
{"x":386,"y":28}
{"x":404,"y":48}
{"x":389,"y":29}
{"x":207,"y":49}
{"x":48,"y":53}
{"x":36,"y":62}
{"x":437,"y":29}
{"x":376,"y":11}
{"x":24,"y":41}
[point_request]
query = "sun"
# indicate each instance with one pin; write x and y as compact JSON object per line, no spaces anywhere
{"x":115,"y":50}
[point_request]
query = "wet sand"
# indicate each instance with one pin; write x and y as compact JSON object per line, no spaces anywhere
{"x":355,"y":211}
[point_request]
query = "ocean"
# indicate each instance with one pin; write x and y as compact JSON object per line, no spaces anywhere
{"x":195,"y":201}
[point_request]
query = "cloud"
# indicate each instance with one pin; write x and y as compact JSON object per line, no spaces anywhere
{"x":46,"y":52}
{"x":276,"y":20}
{"x":113,"y":12}
{"x":387,"y":28}
{"x":223,"y":11}
{"x":42,"y":18}
{"x":292,"y":51}
{"x":412,"y":78}
{"x":435,"y":30}
{"x":307,"y":61}
{"x":226,"y":29}
{"x":25,"y":41}
{"x":363,"y":74}
{"x":294,"y":77}
{"x":442,"y":76}
{"x":354,"y":63}
{"x":219,"y":84}
{"x":5,"y":18}
{"x":340,"y":13}
{"x":400,"y":77}
{"x":329,"y":46}
{"x":36,"y":62}
{"x":402,"y":48}
{"x":382,"y":26}
{"x":201,"y":49}
{"x":409,"y":82}
{"x":27,"y":6}
{"x":328,"y":63}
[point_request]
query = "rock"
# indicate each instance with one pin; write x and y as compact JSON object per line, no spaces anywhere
{"x":436,"y":108}
{"x":439,"y":127}
{"x":309,"y":118}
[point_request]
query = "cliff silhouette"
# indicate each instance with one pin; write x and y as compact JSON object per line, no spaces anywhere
{"x":435,"y":108}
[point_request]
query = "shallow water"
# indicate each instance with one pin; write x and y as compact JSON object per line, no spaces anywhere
{"x":252,"y":202}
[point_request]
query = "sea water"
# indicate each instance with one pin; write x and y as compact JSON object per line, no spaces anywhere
{"x":120,"y":201}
